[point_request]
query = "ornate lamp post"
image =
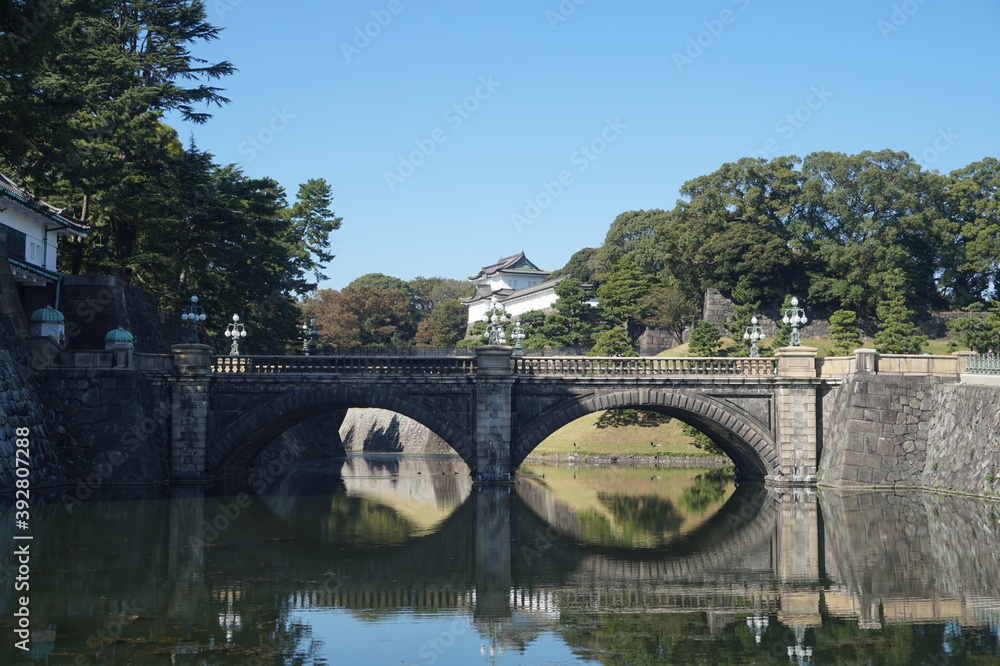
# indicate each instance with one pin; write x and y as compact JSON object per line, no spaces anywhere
{"x":517,"y":335}
{"x":193,"y":315}
{"x":309,"y":334}
{"x":754,"y":333}
{"x":495,"y":318}
{"x":795,"y":316}
{"x":235,"y":331}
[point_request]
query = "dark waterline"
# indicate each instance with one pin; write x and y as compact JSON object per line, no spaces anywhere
{"x":396,"y":559}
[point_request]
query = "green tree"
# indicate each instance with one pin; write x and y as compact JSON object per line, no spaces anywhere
{"x":734,"y":227}
{"x":622,"y":293}
{"x":844,"y":332}
{"x":574,"y":322}
{"x":361,"y":316}
{"x":669,"y":309}
{"x":445,"y":325}
{"x":869,"y":214}
{"x":614,"y":342}
{"x":311,"y":223}
{"x":743,"y":312}
{"x":583,"y":266}
{"x":970,"y":261}
{"x":979,"y":332}
{"x":783,"y":331}
{"x":896,"y":331}
{"x":705,"y":340}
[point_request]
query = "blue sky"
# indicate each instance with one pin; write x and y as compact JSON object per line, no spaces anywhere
{"x":453,"y":133}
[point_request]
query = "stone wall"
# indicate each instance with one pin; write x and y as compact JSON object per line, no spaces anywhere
{"x":113,"y":426}
{"x":20,"y":405}
{"x":911,"y":432}
{"x":94,"y":305}
{"x":382,"y":431}
{"x":963,"y":440}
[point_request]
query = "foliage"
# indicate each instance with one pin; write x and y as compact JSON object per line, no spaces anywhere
{"x":743,"y":312}
{"x":705,"y":340}
{"x":583,"y":266}
{"x":979,"y":332}
{"x":618,"y":418}
{"x":444,"y":326}
{"x":701,"y":440}
{"x":361,"y":316}
{"x":428,"y":292}
{"x":844,"y":332}
{"x":574,"y":322}
{"x":81,"y":103}
{"x":896,"y":331}
{"x":614,"y":342}
{"x":669,"y":309}
{"x":621,"y":295}
{"x":783,"y":331}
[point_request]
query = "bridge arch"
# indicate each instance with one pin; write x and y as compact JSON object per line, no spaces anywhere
{"x":751,"y":447}
{"x":232,"y":450}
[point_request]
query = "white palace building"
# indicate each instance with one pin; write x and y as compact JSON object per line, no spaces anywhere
{"x":518,"y":284}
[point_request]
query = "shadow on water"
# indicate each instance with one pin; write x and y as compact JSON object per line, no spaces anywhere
{"x":622,"y":566}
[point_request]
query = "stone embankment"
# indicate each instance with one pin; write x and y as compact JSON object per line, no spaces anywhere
{"x":912,"y":432}
{"x":382,"y":431}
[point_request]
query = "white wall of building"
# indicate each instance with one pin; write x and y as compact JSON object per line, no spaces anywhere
{"x":515,"y":305}
{"x":40,"y":248}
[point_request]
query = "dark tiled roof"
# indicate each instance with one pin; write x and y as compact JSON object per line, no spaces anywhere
{"x":511,"y":294}
{"x":12,"y":191}
{"x":506,"y":263}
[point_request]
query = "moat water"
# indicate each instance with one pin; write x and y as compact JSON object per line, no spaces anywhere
{"x":398,"y":560}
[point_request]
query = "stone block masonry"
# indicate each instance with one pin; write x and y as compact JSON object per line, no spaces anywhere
{"x":912,"y":432}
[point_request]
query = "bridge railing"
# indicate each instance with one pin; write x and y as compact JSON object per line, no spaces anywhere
{"x":643,"y":366}
{"x":351,"y":365}
{"x":983,"y":364}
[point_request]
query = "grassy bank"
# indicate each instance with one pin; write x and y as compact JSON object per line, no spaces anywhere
{"x":583,"y":436}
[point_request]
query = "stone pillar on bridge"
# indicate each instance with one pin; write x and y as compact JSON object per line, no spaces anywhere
{"x":798,"y":435}
{"x":494,"y":380}
{"x":189,"y":411}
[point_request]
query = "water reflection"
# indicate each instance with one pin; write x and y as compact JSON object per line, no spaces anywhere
{"x":400,"y":560}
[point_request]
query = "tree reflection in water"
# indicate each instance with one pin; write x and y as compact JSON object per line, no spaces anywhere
{"x":395,"y":562}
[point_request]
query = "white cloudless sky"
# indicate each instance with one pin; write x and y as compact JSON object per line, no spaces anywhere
{"x":453,"y":133}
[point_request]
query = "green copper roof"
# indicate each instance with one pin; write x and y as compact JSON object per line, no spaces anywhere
{"x":47,"y":315}
{"x":118,"y":335}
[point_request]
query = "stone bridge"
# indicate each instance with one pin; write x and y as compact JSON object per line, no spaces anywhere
{"x":494,"y":408}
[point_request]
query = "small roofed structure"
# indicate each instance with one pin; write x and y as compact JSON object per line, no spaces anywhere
{"x":49,"y":322}
{"x":517,"y":283}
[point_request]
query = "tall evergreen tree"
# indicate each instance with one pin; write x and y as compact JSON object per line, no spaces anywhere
{"x":897,"y":334}
{"x":844,"y":332}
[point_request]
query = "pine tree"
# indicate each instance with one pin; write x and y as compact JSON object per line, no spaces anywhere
{"x":614,"y":342}
{"x":844,"y":332}
{"x":705,"y":340}
{"x":897,"y":334}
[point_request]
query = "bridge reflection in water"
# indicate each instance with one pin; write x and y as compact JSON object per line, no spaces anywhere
{"x":686,"y":561}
